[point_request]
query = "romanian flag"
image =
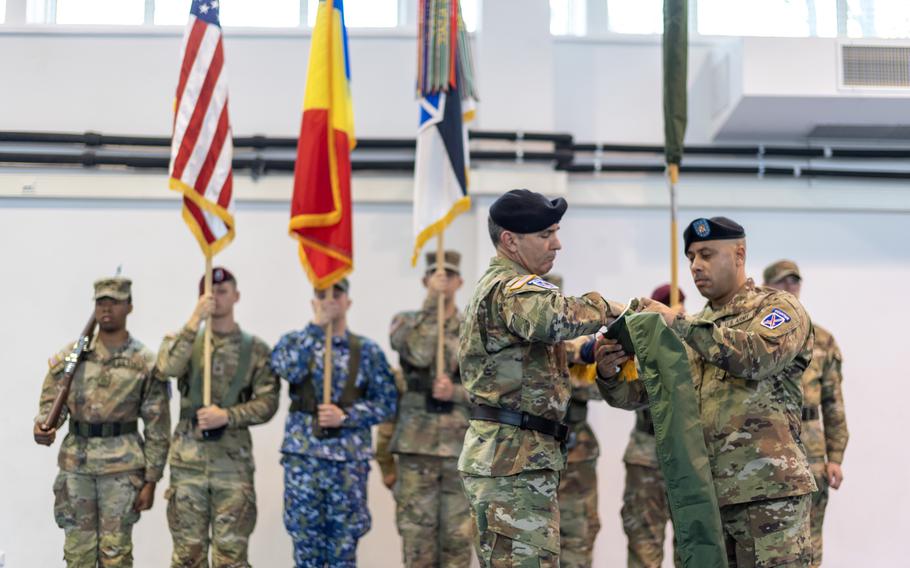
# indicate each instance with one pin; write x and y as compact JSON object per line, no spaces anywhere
{"x":321,"y":204}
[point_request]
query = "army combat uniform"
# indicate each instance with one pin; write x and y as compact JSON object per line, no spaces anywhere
{"x":513,"y":364}
{"x":748,"y":358}
{"x":433,"y":517}
{"x":211,"y":498}
{"x":325,"y":481}
{"x":822,"y":392}
{"x":104,"y":461}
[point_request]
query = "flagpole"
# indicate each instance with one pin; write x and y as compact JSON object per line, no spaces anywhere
{"x":327,"y":363}
{"x":673,"y":173}
{"x":440,"y":308}
{"x":207,"y":346}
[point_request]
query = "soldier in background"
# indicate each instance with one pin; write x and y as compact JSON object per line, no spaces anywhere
{"x":748,"y":347}
{"x":211,"y":498}
{"x":433,"y":517}
{"x":513,"y":365}
{"x":821,"y":392}
{"x":327,"y":447}
{"x":579,"y":522}
{"x":645,"y":511}
{"x":108,"y":471}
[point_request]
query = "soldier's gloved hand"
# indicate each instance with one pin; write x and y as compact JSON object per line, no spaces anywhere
{"x":443,"y":388}
{"x":834,"y":475}
{"x":211,"y":417}
{"x":609,"y":356}
{"x":204,"y":308}
{"x":44,"y":437}
{"x":146,"y":497}
{"x":331,"y":416}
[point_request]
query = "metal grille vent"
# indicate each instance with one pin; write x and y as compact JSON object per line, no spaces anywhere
{"x":875,"y":66}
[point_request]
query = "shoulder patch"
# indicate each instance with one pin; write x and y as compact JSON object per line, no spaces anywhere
{"x":775,"y":319}
{"x":519,"y":281}
{"x":543,"y":284}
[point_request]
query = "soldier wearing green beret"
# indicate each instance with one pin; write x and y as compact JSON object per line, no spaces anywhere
{"x":108,"y":470}
{"x":514,"y":367}
{"x":824,"y":430}
{"x":748,"y":347}
{"x":432,"y":512}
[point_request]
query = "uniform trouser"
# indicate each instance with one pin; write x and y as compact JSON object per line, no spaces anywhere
{"x":210,"y":508}
{"x":97,"y":517}
{"x":578,"y":519}
{"x":325,"y":509}
{"x":773,"y":532}
{"x":517,"y":519}
{"x":645,"y":513}
{"x":819,"y":504}
{"x":433,"y":515}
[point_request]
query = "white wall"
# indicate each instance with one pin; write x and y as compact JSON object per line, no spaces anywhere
{"x":854,"y":261}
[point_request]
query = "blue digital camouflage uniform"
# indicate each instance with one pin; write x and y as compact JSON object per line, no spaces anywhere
{"x":326,"y":478}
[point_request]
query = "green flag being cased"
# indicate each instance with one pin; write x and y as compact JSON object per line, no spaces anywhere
{"x":675,"y":62}
{"x":681,"y":450}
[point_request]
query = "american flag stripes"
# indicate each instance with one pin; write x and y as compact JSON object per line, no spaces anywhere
{"x":201,"y":147}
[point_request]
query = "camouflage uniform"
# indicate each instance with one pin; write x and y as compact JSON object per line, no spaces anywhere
{"x":432,"y":511}
{"x":325,"y":491}
{"x":645,"y":511}
{"x":511,"y":356}
{"x":211,"y":498}
{"x":100,"y":476}
{"x":748,"y":358}
{"x":579,"y":522}
{"x":822,"y":389}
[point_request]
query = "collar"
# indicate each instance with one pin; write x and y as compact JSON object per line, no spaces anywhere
{"x":504,"y":263}
{"x":734,"y":306}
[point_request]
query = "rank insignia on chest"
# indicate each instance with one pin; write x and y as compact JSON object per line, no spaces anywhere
{"x":775,"y":319}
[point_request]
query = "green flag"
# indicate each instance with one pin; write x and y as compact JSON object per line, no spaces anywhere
{"x":675,"y":48}
{"x":681,"y":448}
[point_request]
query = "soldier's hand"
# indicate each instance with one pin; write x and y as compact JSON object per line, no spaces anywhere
{"x":389,"y":479}
{"x":437,"y":283}
{"x":609,"y":356}
{"x":211,"y":417}
{"x":443,"y":388}
{"x":325,"y":311}
{"x":146,"y":497}
{"x":204,"y":308}
{"x":834,"y":475}
{"x":44,"y":437}
{"x":330,"y":416}
{"x":669,"y":314}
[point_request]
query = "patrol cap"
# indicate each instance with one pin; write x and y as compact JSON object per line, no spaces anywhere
{"x":524,"y":211}
{"x":662,"y":294}
{"x":451,"y":261}
{"x":116,"y":287}
{"x":780,"y":270}
{"x":713,"y":229}
{"x":219,"y":275}
{"x":344,"y":285}
{"x":554,"y":279}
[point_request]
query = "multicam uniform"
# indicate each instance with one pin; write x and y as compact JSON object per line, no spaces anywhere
{"x":211,"y":498}
{"x":822,"y":392}
{"x":433,"y":517}
{"x":103,"y":460}
{"x":748,"y":358}
{"x":512,"y":357}
{"x":325,"y":483}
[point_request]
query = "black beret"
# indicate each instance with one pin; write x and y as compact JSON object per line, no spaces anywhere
{"x":713,"y":229}
{"x":523,"y":211}
{"x":219,"y":275}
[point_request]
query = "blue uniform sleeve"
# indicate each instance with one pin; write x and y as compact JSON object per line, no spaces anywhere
{"x":380,"y":401}
{"x":291,"y":356}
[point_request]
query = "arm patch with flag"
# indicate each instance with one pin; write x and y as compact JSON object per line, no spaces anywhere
{"x":201,"y":146}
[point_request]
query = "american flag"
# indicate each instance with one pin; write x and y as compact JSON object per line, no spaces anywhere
{"x":202,"y":148}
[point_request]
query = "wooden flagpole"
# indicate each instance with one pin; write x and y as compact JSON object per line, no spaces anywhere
{"x":207,"y":350}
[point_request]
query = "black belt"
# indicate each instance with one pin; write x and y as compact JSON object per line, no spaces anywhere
{"x":103,"y":430}
{"x":578,"y":411}
{"x":810,"y":413}
{"x":522,"y":420}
